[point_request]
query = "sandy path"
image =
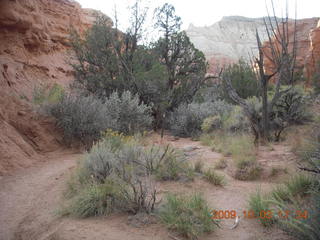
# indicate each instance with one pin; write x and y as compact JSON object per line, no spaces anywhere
{"x":31,"y":193}
{"x":30,"y":198}
{"x":235,"y":194}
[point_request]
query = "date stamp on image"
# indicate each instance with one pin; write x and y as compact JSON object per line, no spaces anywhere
{"x":264,"y":214}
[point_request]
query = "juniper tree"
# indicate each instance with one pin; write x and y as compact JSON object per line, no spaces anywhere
{"x":185,"y":66}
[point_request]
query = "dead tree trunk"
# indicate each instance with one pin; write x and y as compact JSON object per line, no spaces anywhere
{"x":283,"y":59}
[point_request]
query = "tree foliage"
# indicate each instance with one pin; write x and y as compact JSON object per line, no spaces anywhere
{"x":243,"y":80}
{"x":165,"y":73}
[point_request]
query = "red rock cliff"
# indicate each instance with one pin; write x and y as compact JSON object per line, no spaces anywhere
{"x":33,"y":50}
{"x":34,"y":41}
{"x":313,"y":57}
{"x":303,"y":29}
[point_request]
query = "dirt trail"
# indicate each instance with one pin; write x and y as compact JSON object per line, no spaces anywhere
{"x":235,"y":194}
{"x":30,"y":198}
{"x":31,"y":193}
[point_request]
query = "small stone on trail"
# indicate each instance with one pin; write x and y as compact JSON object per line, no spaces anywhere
{"x":174,"y":138}
{"x":141,"y":219}
{"x":190,"y":148}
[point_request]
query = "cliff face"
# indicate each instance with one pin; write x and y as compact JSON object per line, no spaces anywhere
{"x":235,"y":37}
{"x":303,"y":43}
{"x":34,"y":50}
{"x":228,"y":40}
{"x":313,"y":57}
{"x":34,"y":41}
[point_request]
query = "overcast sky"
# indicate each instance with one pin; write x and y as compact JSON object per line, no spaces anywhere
{"x":207,"y":12}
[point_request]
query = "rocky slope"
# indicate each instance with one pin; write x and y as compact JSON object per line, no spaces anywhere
{"x":34,"y":50}
{"x":235,"y":37}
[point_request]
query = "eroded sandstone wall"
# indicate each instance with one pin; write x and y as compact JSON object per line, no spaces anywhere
{"x":228,"y":40}
{"x":313,"y":57}
{"x":34,"y":49}
{"x":34,"y":41}
{"x":234,"y":37}
{"x":302,"y":45}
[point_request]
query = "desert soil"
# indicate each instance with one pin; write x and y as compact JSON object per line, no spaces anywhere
{"x":30,"y":199}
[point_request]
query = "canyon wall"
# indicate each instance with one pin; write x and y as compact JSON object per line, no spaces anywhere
{"x":313,"y":56}
{"x":34,"y":41}
{"x":228,"y":40}
{"x":34,"y":50}
{"x":304,"y":28}
{"x":234,"y":37}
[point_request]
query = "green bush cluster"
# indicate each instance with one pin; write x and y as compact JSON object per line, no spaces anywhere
{"x":207,"y":117}
{"x":290,"y":109}
{"x":213,"y":177}
{"x":260,"y":204}
{"x":44,"y":94}
{"x":236,"y":121}
{"x":84,"y":117}
{"x":187,"y":120}
{"x":188,"y":215}
{"x":300,"y":193}
{"x":243,"y":79}
{"x":303,"y":228}
{"x":116,"y":176}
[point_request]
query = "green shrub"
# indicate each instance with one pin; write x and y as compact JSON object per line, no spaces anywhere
{"x":309,"y":151}
{"x":280,"y":193}
{"x":173,"y":168}
{"x":38,"y":95}
{"x":243,"y":80}
{"x":206,"y":139}
{"x":303,"y":194}
{"x":114,"y":194}
{"x":261,"y":207}
{"x":236,"y":121}
{"x":214,"y":178}
{"x":302,"y":228}
{"x":249,"y":171}
{"x":290,"y":109}
{"x":198,"y":166}
{"x":55,"y":93}
{"x":186,"y":120}
{"x":115,"y":175}
{"x":81,"y":118}
{"x":210,"y":92}
{"x":44,"y":94}
{"x":300,"y":184}
{"x":129,"y":114}
{"x":221,"y":163}
{"x":94,"y":200}
{"x":211,"y":123}
{"x":188,"y":215}
{"x":84,"y":118}
{"x":297,"y":185}
{"x":241,"y":147}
